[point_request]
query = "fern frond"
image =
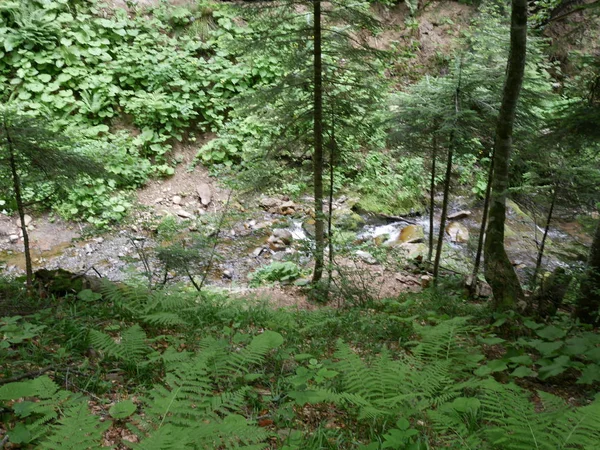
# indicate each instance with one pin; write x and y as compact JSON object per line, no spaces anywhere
{"x":163,"y":319}
{"x":230,"y":433}
{"x":239,"y":363}
{"x":77,"y":429}
{"x":131,"y":348}
{"x":166,"y":437}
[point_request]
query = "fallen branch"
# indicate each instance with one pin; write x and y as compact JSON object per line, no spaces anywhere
{"x":32,"y":374}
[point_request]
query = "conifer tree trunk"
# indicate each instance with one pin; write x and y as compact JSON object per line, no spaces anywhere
{"x":432,"y":195}
{"x":538,"y":263}
{"x":484,"y":218}
{"x":318,"y":143}
{"x":451,"y":144}
{"x":440,"y":242}
{"x":588,"y":303}
{"x":499,"y":271}
{"x":20,"y":207}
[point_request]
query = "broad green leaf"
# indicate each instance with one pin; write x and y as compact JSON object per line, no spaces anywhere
{"x":590,"y":375}
{"x":551,"y":333}
{"x":523,"y":371}
{"x":122,"y":410}
{"x":556,"y":367}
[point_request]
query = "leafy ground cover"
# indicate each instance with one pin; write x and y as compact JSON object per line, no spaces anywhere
{"x":129,"y":368}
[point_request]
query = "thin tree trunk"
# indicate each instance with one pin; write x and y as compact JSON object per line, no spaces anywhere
{"x":20,"y":208}
{"x":432,"y":195}
{"x":486,"y":208}
{"x":330,"y":215}
{"x":588,"y":302}
{"x":213,"y":250}
{"x":538,"y":263}
{"x":440,"y":242}
{"x":318,"y":143}
{"x":499,"y":271}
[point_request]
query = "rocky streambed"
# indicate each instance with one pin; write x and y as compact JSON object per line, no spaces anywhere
{"x":279,"y":229}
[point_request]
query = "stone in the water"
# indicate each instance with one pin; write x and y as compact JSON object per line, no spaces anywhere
{"x":412,"y":234}
{"x":366,"y":257}
{"x":276,"y":244}
{"x":176,"y":199}
{"x":346,"y":219}
{"x":204,"y":193}
{"x":284,"y":235}
{"x":268,"y":202}
{"x":185,"y":214}
{"x":381,"y":239}
{"x":309,"y":227}
{"x":457,"y":232}
{"x":459,"y":215}
{"x":287,"y":208}
{"x":414,"y":250}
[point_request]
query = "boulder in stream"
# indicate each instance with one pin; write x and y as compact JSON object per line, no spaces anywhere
{"x":414,"y":250}
{"x":459,"y":215}
{"x":283,"y":235}
{"x":457,"y":232}
{"x":411,"y":234}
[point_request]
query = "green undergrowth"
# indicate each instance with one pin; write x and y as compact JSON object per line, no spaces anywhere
{"x":173,"y":369}
{"x":126,"y":85}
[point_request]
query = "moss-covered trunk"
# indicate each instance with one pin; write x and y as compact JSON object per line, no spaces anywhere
{"x":499,"y":271}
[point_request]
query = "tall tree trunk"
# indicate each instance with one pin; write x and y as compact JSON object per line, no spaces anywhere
{"x":318,"y":143}
{"x":538,"y":263}
{"x":432,"y":195}
{"x":330,"y":214}
{"x":451,"y":143}
{"x":440,"y":242}
{"x":499,"y":271}
{"x":588,"y":303}
{"x":484,"y":218}
{"x":20,"y":208}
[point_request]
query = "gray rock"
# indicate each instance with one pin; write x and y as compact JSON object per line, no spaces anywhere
{"x":457,"y":232}
{"x":184,"y":214}
{"x":284,"y":235}
{"x":459,"y":215}
{"x":268,"y":202}
{"x":258,"y":251}
{"x":205,"y":193}
{"x":414,"y":250}
{"x":276,"y":244}
{"x":227,"y":274}
{"x":176,"y":199}
{"x":366,"y":257}
{"x":426,"y":281}
{"x":13,"y":238}
{"x":287,"y":208}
